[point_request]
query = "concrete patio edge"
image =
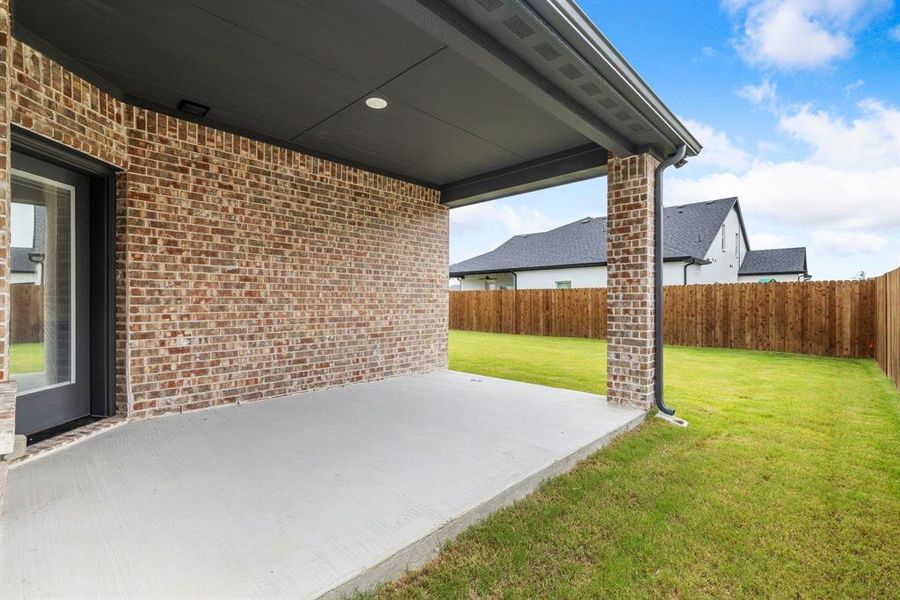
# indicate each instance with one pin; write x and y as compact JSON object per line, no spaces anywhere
{"x":428,"y":547}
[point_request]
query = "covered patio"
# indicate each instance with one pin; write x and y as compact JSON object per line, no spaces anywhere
{"x":325,"y":492}
{"x":246,"y":209}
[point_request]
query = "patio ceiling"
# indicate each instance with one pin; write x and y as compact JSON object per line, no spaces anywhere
{"x":485,"y":97}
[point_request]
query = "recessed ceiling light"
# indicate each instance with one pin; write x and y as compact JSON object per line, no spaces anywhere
{"x":376,"y":102}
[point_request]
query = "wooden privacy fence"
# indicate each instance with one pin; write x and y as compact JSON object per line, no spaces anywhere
{"x":26,"y":319}
{"x":828,"y":318}
{"x":887,"y":324}
{"x":579,"y":312}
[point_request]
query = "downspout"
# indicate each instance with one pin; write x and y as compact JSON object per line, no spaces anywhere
{"x":688,"y":263}
{"x":677,"y":159}
{"x":515,"y":302}
{"x":694,"y":261}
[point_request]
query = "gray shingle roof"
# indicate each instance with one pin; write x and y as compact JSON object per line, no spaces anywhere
{"x":19,"y":262}
{"x":688,"y":231}
{"x":775,"y":261}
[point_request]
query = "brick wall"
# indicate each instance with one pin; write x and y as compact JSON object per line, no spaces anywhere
{"x":630,"y":255}
{"x":53,"y":102}
{"x":245,"y":270}
{"x":5,"y":51}
{"x":253,"y":271}
{"x":7,"y":387}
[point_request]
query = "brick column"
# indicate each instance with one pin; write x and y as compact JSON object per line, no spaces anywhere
{"x":7,"y":387}
{"x":629,"y":354}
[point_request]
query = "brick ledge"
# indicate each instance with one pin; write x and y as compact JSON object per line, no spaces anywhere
{"x":67,"y":439}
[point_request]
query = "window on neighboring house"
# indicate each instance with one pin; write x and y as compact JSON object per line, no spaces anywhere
{"x":563,"y":285}
{"x":723,"y":237}
{"x":737,"y":246}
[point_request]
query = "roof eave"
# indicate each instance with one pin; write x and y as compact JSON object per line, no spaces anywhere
{"x":771,"y":273}
{"x":582,"y":34}
{"x":562,"y":266}
{"x":518,"y":269}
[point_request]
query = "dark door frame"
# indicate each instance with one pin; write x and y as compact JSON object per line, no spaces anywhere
{"x":103,"y":259}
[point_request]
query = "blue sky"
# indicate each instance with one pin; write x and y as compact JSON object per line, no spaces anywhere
{"x":797,"y":105}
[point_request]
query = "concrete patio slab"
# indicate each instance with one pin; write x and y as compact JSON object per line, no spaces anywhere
{"x":316,"y":494}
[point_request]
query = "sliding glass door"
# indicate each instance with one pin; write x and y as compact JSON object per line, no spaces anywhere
{"x":50,"y":279}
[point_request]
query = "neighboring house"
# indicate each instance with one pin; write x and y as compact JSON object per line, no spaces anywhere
{"x":25,"y":263}
{"x":704,"y":242}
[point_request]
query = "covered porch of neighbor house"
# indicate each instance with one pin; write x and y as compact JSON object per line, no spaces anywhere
{"x":325,"y":492}
{"x":248,"y":209}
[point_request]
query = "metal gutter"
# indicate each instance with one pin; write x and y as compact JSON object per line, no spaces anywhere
{"x":570,"y":266}
{"x":772,"y":273}
{"x":582,"y":34}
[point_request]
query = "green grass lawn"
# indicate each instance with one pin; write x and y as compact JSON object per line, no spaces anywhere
{"x":26,"y":358}
{"x":785,"y":484}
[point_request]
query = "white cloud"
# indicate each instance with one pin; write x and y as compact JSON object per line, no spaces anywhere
{"x":894,"y":33}
{"x":734,"y":6}
{"x":844,"y":243}
{"x":852,"y":87}
{"x":493,"y":216}
{"x":793,"y":34}
{"x":718,"y":150}
{"x":763,"y":241}
{"x":871,"y":141}
{"x":800,"y":193}
{"x":850,"y":179}
{"x":768,"y":147}
{"x":765,"y":93}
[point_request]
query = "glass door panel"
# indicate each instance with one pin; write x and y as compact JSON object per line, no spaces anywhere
{"x":42,"y":290}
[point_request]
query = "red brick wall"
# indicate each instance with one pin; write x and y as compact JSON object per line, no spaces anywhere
{"x":49,"y":100}
{"x":254,"y":271}
{"x":630,"y":254}
{"x":245,"y":270}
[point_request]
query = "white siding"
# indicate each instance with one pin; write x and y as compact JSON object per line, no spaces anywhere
{"x":581,"y":277}
{"x":496,"y":282}
{"x":673,"y":273}
{"x":23,"y":278}
{"x":724,"y":264}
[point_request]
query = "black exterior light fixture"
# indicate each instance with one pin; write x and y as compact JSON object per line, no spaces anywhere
{"x":193,"y":108}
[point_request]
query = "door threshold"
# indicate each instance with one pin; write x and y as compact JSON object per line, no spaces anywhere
{"x":50,"y":440}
